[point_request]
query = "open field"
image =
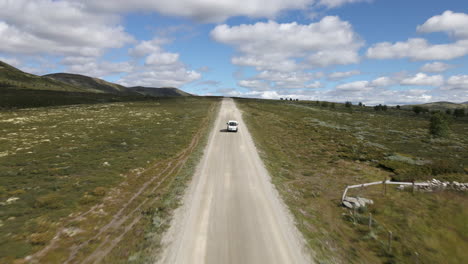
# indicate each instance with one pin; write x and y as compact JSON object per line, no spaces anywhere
{"x":313,"y":152}
{"x":93,"y":175}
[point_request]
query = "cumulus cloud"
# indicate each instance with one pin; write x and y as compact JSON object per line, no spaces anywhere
{"x":420,"y":49}
{"x":452,"y":23}
{"x":258,"y":85}
{"x":337,"y":3}
{"x":12,"y":61}
{"x":93,"y":67}
{"x":277,"y":49}
{"x":422,"y":79}
{"x":212,"y":10}
{"x":355,"y":86}
{"x":457,"y":82}
{"x":334,"y":76}
{"x":161,"y":68}
{"x":435,"y":67}
{"x":57,"y":28}
{"x":265,"y":44}
{"x":383,"y":82}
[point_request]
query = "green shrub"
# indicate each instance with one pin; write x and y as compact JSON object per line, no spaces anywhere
{"x":39,"y":238}
{"x":50,"y":201}
{"x":445,"y":167}
{"x":459,"y":112}
{"x":99,"y":191}
{"x":439,"y":125}
{"x":87,"y":199}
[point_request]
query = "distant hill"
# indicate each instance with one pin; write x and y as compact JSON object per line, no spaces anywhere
{"x":166,"y":91}
{"x":89,"y":83}
{"x":19,"y":89}
{"x":440,"y":105}
{"x":11,"y":77}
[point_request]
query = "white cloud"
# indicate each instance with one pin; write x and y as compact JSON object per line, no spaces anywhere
{"x":160,"y":78}
{"x":355,"y":86}
{"x":455,"y":24}
{"x":418,"y":49}
{"x":338,"y":3}
{"x":258,"y":85}
{"x":147,"y":47}
{"x":212,"y":10}
{"x":457,"y":82}
{"x":12,"y":61}
{"x":382,"y":82}
{"x":265,"y":45}
{"x":277,"y":50}
{"x":363,"y":86}
{"x":95,"y":68}
{"x":342,"y":75}
{"x":57,"y":28}
{"x":163,"y":58}
{"x":422,"y":79}
{"x":435,"y":67}
{"x":161,"y":68}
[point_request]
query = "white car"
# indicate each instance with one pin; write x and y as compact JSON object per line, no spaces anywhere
{"x":232,"y":126}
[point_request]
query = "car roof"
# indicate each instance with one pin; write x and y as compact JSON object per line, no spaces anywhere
{"x":232,"y":121}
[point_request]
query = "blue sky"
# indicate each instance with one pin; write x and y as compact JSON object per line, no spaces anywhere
{"x":371,"y":51}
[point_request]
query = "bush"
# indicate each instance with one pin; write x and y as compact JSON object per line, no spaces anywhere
{"x":39,"y":238}
{"x":459,"y":112}
{"x":50,"y":201}
{"x":445,"y":167}
{"x":440,"y":125}
{"x":417,"y":109}
{"x":99,"y":191}
{"x":348,"y":104}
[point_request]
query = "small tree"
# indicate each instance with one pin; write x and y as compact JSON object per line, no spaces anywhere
{"x":348,"y":104}
{"x":281,"y":98}
{"x":459,"y":112}
{"x":398,"y":107}
{"x":360,"y":104}
{"x":417,"y":109}
{"x":439,"y":125}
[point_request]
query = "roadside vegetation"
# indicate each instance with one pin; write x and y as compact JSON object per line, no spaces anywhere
{"x":96,"y":177}
{"x":313,"y":150}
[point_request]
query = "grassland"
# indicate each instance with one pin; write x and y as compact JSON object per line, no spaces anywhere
{"x":313,"y":152}
{"x":94,"y":175}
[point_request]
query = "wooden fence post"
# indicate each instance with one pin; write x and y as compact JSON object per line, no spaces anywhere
{"x":390,"y":236}
{"x":370,"y":221}
{"x":384,"y":187}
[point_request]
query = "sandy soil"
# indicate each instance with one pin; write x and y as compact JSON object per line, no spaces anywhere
{"x":231,"y":212}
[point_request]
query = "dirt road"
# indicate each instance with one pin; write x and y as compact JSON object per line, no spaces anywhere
{"x":231,"y":212}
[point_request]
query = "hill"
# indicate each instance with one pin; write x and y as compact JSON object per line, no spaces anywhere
{"x":12,"y":78}
{"x":439,"y":105}
{"x":165,"y":91}
{"x":89,"y":83}
{"x":22,"y":90}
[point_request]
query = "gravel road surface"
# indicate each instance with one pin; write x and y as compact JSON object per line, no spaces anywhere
{"x":231,"y":212}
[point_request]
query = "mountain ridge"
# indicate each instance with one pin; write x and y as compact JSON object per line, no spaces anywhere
{"x":13,"y":78}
